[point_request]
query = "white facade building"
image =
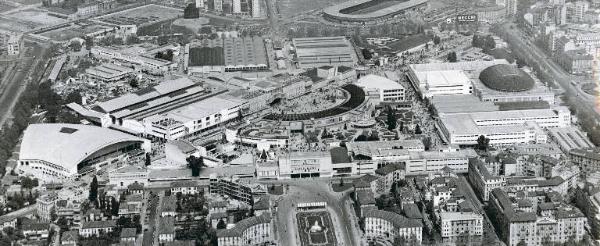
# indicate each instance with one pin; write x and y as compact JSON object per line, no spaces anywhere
{"x":455,"y":224}
{"x":381,"y":89}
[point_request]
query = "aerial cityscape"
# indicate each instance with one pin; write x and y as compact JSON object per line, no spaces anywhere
{"x":300,"y":123}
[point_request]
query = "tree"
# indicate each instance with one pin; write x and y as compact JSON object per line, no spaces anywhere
{"x":74,"y":96}
{"x":195,"y":163}
{"x":521,"y":63}
{"x":374,"y":136}
{"x":191,"y":11}
{"x":53,"y":215}
{"x":133,"y":82}
{"x":437,"y":40}
{"x":240,"y":116}
{"x":148,"y":160}
{"x":221,"y":224}
{"x":427,"y":143}
{"x":452,"y":57}
{"x":93,"y":196}
{"x":114,"y":206}
{"x":392,"y":120}
{"x":483,"y":143}
{"x":418,"y":130}
{"x":263,"y":155}
{"x":361,"y":138}
{"x":89,"y":43}
{"x":490,"y":43}
{"x":75,"y":46}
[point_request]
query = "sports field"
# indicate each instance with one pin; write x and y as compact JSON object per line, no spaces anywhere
{"x":324,"y":237}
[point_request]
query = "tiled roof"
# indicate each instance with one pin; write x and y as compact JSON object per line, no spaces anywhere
{"x":98,"y":224}
{"x":397,"y":220}
{"x":241,"y":226}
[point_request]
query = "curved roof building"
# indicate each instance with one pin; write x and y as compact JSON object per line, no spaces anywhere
{"x":506,"y":78}
{"x":55,"y":151}
{"x":371,"y":10}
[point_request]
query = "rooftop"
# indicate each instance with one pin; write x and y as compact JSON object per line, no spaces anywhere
{"x":244,"y":224}
{"x":507,"y":78}
{"x":444,"y":78}
{"x":397,"y":220}
{"x":375,"y":81}
{"x":98,"y":224}
{"x":68,"y":144}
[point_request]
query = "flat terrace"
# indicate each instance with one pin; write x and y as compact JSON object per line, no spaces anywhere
{"x":356,"y":98}
{"x":364,"y":10}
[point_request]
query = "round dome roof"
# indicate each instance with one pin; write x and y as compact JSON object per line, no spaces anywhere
{"x":508,"y":78}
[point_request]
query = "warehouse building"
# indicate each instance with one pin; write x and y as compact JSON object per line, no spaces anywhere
{"x":321,"y":51}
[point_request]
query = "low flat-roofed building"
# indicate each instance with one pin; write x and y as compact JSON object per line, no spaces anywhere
{"x":431,"y":162}
{"x":319,"y":51}
{"x":57,"y":152}
{"x":146,"y":63}
{"x":109,"y":72}
{"x":305,"y":165}
{"x":444,"y":82}
{"x":381,"y":89}
{"x":503,"y":127}
{"x":124,"y":176}
{"x":569,"y":138}
{"x":493,"y":81}
{"x":450,"y":104}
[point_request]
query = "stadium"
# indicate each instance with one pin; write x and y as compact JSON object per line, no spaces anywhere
{"x":355,"y":102}
{"x":57,"y":152}
{"x":371,"y":10}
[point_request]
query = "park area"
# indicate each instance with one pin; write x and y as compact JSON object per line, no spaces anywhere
{"x":315,"y":228}
{"x":142,"y":16}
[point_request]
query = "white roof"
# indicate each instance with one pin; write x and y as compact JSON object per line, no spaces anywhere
{"x":146,"y":94}
{"x":443,"y":78}
{"x":204,"y":108}
{"x":453,"y":216}
{"x":67,"y":145}
{"x":374,"y":81}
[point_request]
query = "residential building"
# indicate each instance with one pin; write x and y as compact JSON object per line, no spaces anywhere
{"x":482,"y":181}
{"x":558,"y":224}
{"x":251,"y":231}
{"x":588,"y":159}
{"x":45,"y":205}
{"x":380,"y":224}
{"x":96,"y":227}
{"x":457,"y":224}
{"x":576,"y":61}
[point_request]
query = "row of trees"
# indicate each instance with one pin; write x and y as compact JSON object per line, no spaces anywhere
{"x":484,"y":42}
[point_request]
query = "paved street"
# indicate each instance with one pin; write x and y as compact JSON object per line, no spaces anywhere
{"x":316,"y":191}
{"x":525,"y":49}
{"x":489,"y":235}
